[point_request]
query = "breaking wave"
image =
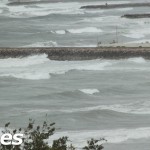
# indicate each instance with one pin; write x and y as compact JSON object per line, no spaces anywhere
{"x":47,"y":9}
{"x":79,"y":138}
{"x":43,"y":9}
{"x":89,"y":91}
{"x":137,"y":60}
{"x":132,"y":108}
{"x":23,"y":62}
{"x":79,"y":30}
{"x":134,"y":35}
{"x":43,"y":44}
{"x":85,"y":30}
{"x":138,"y":33}
{"x":24,"y":68}
{"x":40,"y":67}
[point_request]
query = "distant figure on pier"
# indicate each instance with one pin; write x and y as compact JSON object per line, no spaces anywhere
{"x":99,"y":43}
{"x":106,"y":4}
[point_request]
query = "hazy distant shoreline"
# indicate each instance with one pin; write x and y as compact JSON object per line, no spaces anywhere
{"x":77,"y":53}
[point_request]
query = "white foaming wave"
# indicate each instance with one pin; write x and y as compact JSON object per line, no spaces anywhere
{"x":60,"y":32}
{"x":97,"y":65}
{"x":131,"y":108}
{"x":43,"y":44}
{"x":89,"y":91}
{"x":51,"y":8}
{"x":79,"y":30}
{"x":61,"y":67}
{"x":138,"y":33}
{"x":85,"y":30}
{"x":134,"y":35}
{"x":93,"y":19}
{"x":39,"y":67}
{"x":23,"y":62}
{"x":44,"y":10}
{"x":40,"y":64}
{"x":30,"y":76}
{"x":86,"y":11}
{"x":25,"y":68}
{"x":125,"y":9}
{"x":79,"y":138}
{"x":28,"y":14}
{"x":76,"y":110}
{"x":137,"y":60}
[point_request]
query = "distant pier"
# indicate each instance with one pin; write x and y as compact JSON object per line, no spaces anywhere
{"x":78,"y":53}
{"x":113,"y":6}
{"x":32,"y":2}
{"x":136,"y":16}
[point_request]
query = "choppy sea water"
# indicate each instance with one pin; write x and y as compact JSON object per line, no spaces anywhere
{"x":65,"y":24}
{"x":94,"y":98}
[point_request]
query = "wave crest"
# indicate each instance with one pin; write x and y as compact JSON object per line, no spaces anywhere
{"x":79,"y":30}
{"x":112,"y":136}
{"x":89,"y":91}
{"x":42,"y":44}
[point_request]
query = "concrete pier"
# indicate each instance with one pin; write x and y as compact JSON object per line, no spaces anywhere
{"x":136,"y":16}
{"x":114,"y":6}
{"x":75,"y":53}
{"x":32,"y":2}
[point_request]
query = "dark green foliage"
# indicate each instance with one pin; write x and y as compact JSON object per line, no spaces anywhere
{"x":35,"y":138}
{"x":60,"y":144}
{"x":94,"y":145}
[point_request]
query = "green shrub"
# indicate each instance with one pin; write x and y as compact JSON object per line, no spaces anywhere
{"x":35,"y":138}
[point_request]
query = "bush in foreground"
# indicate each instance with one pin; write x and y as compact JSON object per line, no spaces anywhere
{"x":36,"y":138}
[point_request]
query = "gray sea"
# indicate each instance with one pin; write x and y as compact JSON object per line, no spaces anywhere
{"x":92,"y":98}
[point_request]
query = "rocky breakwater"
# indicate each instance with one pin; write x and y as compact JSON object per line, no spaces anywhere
{"x":135,"y":16}
{"x":76,"y":53}
{"x":15,"y":3}
{"x":113,"y":6}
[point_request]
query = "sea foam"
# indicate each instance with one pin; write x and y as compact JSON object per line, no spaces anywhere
{"x":85,"y":30}
{"x":137,"y":60}
{"x":79,"y":30}
{"x":41,"y":67}
{"x":89,"y":91}
{"x":23,"y":62}
{"x":43,"y":44}
{"x":128,"y":108}
{"x":24,"y":68}
{"x":79,"y":138}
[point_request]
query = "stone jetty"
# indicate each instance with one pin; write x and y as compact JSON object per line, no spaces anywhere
{"x":135,"y":16}
{"x":113,"y":6}
{"x":78,"y":53}
{"x":31,"y":2}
